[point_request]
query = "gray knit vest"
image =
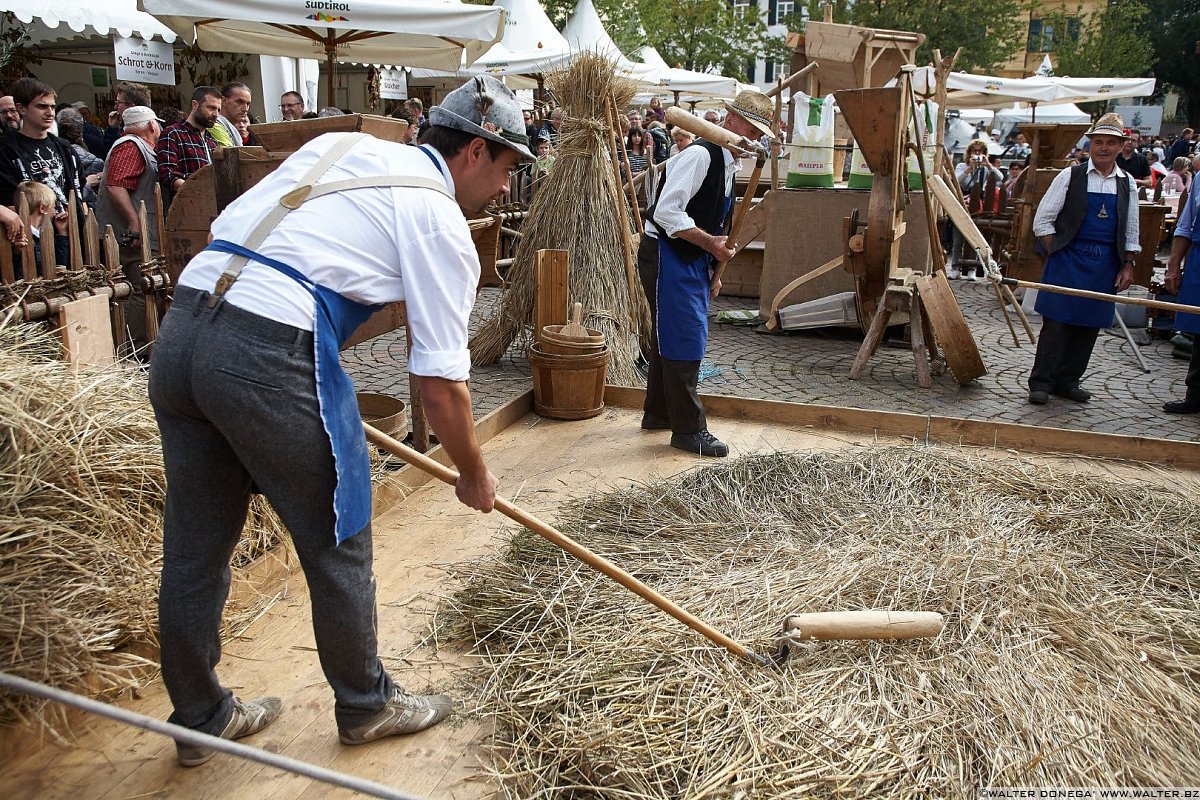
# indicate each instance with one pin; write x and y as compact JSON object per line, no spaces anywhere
{"x":106,"y":209}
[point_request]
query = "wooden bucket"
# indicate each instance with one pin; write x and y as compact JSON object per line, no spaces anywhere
{"x":552,"y":343}
{"x":383,"y":412}
{"x":568,"y":386}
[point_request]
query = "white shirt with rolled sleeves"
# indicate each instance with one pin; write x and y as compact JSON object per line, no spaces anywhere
{"x":685,"y":176}
{"x":376,"y":245}
{"x":1056,"y":195}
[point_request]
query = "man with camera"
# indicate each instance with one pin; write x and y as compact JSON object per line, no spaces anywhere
{"x":130,"y":173}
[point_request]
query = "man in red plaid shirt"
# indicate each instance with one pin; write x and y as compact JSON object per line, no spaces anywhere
{"x":187,"y":146}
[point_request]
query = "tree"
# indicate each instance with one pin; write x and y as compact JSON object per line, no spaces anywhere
{"x":988,"y":31}
{"x":1112,"y":43}
{"x":1173,"y":27}
{"x":707,"y":35}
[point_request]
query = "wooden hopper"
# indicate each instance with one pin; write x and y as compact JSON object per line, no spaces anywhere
{"x":288,"y":136}
{"x":850,"y":56}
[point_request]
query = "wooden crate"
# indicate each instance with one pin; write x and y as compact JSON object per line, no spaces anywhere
{"x":290,"y":135}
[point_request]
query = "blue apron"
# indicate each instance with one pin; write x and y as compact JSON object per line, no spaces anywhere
{"x":1089,"y":261}
{"x":336,"y":318}
{"x":683,"y":295}
{"x":1189,"y":288}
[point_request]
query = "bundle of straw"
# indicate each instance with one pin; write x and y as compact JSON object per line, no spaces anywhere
{"x":1070,"y":657}
{"x":578,"y":208}
{"x":81,"y":499}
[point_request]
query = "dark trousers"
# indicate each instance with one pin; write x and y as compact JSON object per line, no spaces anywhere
{"x":235,"y":401}
{"x":1063,"y":353}
{"x":1193,"y":374}
{"x":135,"y":302}
{"x":670,"y":385}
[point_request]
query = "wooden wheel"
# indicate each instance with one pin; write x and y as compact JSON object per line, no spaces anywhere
{"x":949,"y":327}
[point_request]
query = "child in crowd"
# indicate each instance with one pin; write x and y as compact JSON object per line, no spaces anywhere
{"x":40,"y":200}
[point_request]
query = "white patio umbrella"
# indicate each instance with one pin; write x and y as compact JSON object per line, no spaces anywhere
{"x":531,"y":44}
{"x":437,"y":35}
{"x":585,"y":31}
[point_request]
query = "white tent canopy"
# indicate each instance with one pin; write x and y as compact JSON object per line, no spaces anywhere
{"x":685,"y":80}
{"x":412,"y":32}
{"x":1055,"y":114}
{"x":585,"y":31}
{"x":531,"y":44}
{"x":50,"y":20}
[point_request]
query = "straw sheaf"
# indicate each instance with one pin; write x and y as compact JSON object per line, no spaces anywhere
{"x":1070,"y":657}
{"x":81,"y":499}
{"x":575,"y":209}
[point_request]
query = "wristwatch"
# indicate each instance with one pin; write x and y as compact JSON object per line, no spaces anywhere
{"x":1130,"y":262}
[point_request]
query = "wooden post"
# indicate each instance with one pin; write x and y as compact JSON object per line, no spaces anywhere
{"x":160,"y":219}
{"x":550,"y":293}
{"x":775,"y":143}
{"x":28,"y":260}
{"x":633,"y":203}
{"x":75,"y":252}
{"x":7,"y":273}
{"x":91,"y":243}
{"x":49,"y":268}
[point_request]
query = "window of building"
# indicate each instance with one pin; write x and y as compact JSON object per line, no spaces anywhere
{"x":740,"y":7}
{"x":750,"y":70}
{"x":1042,"y":33}
{"x":783,"y":10}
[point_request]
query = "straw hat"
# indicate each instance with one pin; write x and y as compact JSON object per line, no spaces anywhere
{"x":754,"y":107}
{"x":1109,"y":125}
{"x":484,"y":107}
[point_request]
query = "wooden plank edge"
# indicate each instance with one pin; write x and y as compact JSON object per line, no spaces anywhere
{"x":401,"y":483}
{"x":948,"y":430}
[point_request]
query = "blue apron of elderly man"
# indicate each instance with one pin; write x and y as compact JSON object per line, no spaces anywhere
{"x":248,"y":392}
{"x":682,"y":243}
{"x":1184,"y":280}
{"x":1088,"y":223}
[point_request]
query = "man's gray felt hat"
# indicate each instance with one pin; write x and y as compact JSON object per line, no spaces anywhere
{"x":485,"y":107}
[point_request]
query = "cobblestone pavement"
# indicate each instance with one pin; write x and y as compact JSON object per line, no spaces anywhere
{"x":812,"y":367}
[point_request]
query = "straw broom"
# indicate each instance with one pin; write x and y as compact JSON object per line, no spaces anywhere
{"x":575,"y":209}
{"x":1071,"y":655}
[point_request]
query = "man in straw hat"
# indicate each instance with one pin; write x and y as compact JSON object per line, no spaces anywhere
{"x":683,"y":242}
{"x":1184,"y":279}
{"x":249,"y":395}
{"x":1088,"y":224}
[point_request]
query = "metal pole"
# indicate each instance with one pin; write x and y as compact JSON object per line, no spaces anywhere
{"x":189,"y":736}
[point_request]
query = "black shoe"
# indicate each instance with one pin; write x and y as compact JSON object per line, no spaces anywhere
{"x":1182,"y":406}
{"x":1076,"y":394}
{"x":653,"y":423}
{"x":1039,"y":398}
{"x":703,"y":443}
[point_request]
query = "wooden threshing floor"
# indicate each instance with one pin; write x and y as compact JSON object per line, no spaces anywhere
{"x":540,"y":463}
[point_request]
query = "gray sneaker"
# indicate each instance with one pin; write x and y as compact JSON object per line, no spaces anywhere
{"x":247,"y":719}
{"x":404,"y":713}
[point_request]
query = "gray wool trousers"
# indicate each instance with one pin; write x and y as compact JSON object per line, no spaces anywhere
{"x":235,"y":401}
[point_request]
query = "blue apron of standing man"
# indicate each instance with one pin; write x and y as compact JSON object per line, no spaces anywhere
{"x":1088,"y":223}
{"x":1185,"y":282}
{"x":682,"y":243}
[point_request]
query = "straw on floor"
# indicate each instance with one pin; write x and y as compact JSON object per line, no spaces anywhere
{"x":1070,"y":657}
{"x":576,"y":209}
{"x":81,"y":498}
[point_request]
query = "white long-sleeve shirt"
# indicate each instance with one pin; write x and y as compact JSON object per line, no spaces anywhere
{"x":685,"y":176}
{"x":375,"y":245}
{"x":1056,"y":195}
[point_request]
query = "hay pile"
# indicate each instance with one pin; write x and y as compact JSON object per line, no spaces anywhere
{"x":81,"y":498}
{"x":1070,"y":657}
{"x":576,"y":209}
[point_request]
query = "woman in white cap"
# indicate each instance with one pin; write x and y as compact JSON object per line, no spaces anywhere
{"x":1087,"y":222}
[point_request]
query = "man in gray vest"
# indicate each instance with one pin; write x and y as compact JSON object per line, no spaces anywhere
{"x":130,"y":173}
{"x":1088,"y":223}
